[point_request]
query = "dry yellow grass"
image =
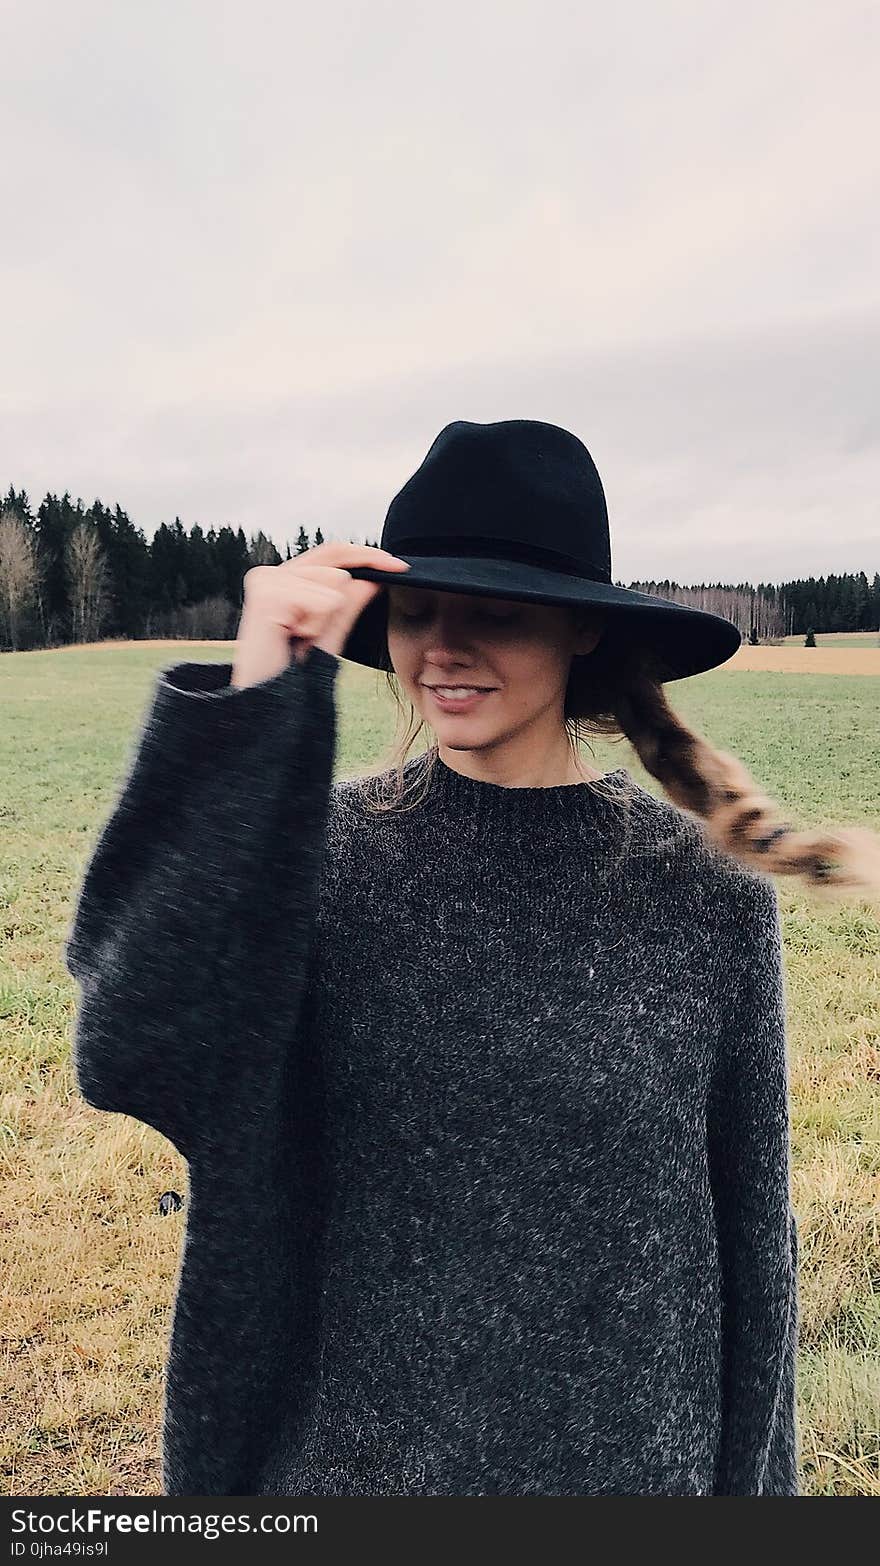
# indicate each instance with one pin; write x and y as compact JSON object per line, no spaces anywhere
{"x":85,"y":1298}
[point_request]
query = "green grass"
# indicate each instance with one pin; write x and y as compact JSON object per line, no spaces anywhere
{"x":90,"y":1264}
{"x":837,"y":639}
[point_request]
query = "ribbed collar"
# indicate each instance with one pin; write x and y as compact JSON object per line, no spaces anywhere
{"x":533,"y":810}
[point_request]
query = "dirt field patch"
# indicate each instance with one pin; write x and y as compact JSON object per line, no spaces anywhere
{"x":773,"y":660}
{"x":807,"y":660}
{"x":170,"y":641}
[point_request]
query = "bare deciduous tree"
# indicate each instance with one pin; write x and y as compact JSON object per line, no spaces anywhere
{"x":19,"y":576}
{"x":87,"y":583}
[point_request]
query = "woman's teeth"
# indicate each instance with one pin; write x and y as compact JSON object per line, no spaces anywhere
{"x":457,"y":690}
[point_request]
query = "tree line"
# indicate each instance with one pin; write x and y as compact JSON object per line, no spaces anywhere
{"x":70,"y":573}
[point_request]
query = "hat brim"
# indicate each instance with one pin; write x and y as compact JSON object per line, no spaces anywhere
{"x":685,"y":641}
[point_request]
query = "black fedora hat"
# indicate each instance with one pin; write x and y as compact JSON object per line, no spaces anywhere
{"x":516,"y":509}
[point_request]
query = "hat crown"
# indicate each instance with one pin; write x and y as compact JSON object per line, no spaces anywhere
{"x":516,"y":489}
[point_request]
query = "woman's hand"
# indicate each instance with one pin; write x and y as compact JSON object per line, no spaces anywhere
{"x":309,"y":601}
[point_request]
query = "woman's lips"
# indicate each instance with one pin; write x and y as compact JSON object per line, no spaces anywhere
{"x":457,"y":703}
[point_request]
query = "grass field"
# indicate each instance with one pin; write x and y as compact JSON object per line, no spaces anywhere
{"x":90,"y":1264}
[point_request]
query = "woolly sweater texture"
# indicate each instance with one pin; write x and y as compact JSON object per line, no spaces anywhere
{"x":484,"y":1106}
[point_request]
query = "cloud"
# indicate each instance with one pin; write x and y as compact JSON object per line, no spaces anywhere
{"x":258,"y":256}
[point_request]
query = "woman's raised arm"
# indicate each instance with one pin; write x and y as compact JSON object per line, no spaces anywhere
{"x":192,"y":928}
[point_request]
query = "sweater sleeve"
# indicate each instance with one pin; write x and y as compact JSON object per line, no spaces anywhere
{"x":749,"y":1150}
{"x":191,"y":932}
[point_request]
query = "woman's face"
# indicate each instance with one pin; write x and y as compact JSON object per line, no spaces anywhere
{"x":517,"y":655}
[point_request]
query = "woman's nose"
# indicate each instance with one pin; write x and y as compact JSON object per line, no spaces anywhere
{"x":446,"y":649}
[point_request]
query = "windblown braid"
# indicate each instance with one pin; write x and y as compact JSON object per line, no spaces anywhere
{"x":733,"y":810}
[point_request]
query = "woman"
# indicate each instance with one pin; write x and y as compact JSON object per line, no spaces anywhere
{"x":478,"y":1065}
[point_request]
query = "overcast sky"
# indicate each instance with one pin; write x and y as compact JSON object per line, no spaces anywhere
{"x":255,"y":256}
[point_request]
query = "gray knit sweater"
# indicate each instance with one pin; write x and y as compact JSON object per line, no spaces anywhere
{"x":485,"y":1112}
